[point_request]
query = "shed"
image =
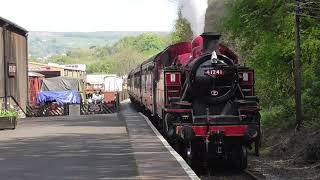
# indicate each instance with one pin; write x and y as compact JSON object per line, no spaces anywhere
{"x":13,"y":65}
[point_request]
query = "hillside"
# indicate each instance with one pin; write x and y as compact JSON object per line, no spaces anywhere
{"x":45,"y":44}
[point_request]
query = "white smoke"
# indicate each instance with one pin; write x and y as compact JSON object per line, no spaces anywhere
{"x":195,"y":12}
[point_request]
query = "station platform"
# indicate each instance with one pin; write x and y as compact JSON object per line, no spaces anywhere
{"x":155,"y":158}
{"x":123,"y":145}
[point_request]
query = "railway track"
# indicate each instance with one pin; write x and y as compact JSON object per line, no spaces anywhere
{"x":255,"y":175}
{"x":232,"y":175}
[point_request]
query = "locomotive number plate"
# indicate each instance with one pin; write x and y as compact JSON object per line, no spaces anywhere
{"x":214,"y":72}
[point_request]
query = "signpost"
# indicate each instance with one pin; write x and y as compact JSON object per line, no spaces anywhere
{"x":12,"y":70}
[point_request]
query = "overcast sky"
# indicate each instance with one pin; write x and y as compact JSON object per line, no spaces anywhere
{"x":90,"y":15}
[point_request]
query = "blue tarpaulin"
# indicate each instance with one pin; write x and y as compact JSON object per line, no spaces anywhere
{"x":61,"y":97}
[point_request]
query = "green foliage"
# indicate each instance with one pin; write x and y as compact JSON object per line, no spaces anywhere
{"x":264,"y":33}
{"x":278,"y":116}
{"x":146,"y":43}
{"x":182,"y":30}
{"x":118,"y":59}
{"x":9,"y":113}
{"x":215,"y":13}
{"x":100,"y":68}
{"x":127,"y":59}
{"x":60,"y":59}
{"x":45,"y":44}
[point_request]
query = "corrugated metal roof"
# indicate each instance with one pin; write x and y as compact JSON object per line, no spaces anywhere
{"x":35,"y":74}
{"x":13,"y":27}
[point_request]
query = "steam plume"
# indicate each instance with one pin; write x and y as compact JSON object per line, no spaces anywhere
{"x":195,"y":11}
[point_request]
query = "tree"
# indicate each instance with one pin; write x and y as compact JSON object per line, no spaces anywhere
{"x":60,"y":59}
{"x":146,"y":43}
{"x":264,"y":33}
{"x":182,"y":29}
{"x":126,"y":60}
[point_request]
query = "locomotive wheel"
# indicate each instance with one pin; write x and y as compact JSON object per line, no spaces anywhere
{"x":241,"y":157}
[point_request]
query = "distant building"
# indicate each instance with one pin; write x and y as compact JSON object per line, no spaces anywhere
{"x":96,"y":81}
{"x":104,"y":82}
{"x":54,"y":70}
{"x":13,"y":66}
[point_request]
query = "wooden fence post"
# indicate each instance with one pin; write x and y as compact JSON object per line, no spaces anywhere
{"x":118,"y":102}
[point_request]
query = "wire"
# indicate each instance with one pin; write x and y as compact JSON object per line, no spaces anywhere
{"x":304,"y":15}
{"x":303,"y":6}
{"x":310,"y":8}
{"x":310,"y":2}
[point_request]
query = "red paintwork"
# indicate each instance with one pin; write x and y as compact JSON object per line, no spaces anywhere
{"x":196,"y":42}
{"x":183,"y":59}
{"x":196,"y":52}
{"x":250,"y":78}
{"x":173,"y":82}
{"x":34,"y":89}
{"x":178,"y":110}
{"x":228,"y":52}
{"x":229,"y":131}
{"x":197,"y":48}
{"x":165,"y":59}
{"x":170,"y":54}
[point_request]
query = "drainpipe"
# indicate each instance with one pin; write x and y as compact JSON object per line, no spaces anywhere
{"x":4,"y":29}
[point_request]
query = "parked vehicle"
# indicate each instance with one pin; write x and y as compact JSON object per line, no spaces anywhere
{"x":204,"y":99}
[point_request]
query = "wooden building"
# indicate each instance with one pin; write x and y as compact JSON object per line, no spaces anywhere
{"x":13,"y":66}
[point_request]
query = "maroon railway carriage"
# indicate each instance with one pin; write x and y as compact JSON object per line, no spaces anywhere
{"x":204,"y":99}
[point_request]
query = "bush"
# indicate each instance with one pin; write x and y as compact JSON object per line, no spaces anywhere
{"x":8,"y":113}
{"x":280,"y":118}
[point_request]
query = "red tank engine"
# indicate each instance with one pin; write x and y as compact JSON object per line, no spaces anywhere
{"x":204,"y":99}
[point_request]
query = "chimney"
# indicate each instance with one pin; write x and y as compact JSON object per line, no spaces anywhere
{"x":210,"y":42}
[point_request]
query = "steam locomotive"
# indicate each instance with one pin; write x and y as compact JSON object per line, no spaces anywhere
{"x":204,"y":100}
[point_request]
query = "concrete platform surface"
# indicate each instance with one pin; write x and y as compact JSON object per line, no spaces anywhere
{"x":114,"y":146}
{"x":155,"y":158}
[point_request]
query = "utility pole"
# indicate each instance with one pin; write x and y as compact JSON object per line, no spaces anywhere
{"x":297,"y":68}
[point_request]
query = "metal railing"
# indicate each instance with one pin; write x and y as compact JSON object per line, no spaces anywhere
{"x":54,"y":109}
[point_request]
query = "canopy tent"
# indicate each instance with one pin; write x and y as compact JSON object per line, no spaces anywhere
{"x":60,"y":83}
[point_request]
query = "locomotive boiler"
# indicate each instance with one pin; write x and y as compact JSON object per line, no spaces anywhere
{"x":204,"y":99}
